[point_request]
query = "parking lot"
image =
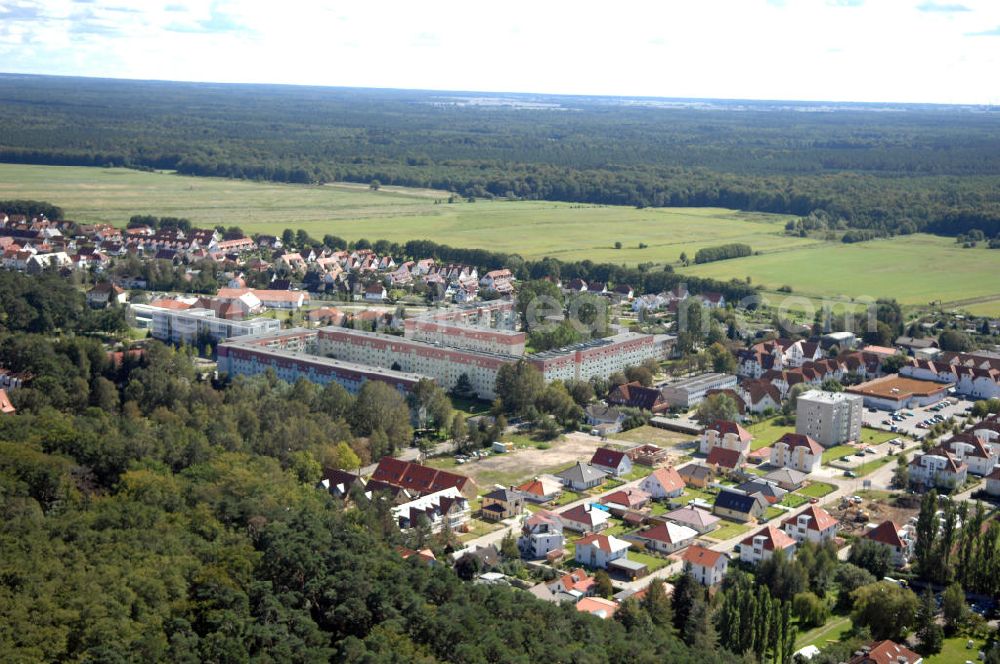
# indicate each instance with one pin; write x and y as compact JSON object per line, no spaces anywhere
{"x":909,"y":419}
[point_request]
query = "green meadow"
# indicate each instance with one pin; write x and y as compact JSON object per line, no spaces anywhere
{"x":916,"y":269}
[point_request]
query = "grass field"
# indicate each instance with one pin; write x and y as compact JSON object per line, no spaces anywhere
{"x":836,"y":452}
{"x":728,"y":530}
{"x":953,"y":651}
{"x":817,"y":489}
{"x":766,"y":432}
{"x":531,"y":228}
{"x":914,"y":269}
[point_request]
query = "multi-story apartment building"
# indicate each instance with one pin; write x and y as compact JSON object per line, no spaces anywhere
{"x":829,"y":418}
{"x":690,"y":392}
{"x":444,"y":333}
{"x":190,"y":325}
{"x":290,"y":355}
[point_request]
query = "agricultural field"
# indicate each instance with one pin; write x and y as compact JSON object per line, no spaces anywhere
{"x":531,"y":228}
{"x":915,"y":269}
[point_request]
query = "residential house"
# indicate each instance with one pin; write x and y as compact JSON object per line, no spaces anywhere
{"x":693,"y":517}
{"x":375,"y":293}
{"x":425,"y":556}
{"x":739,"y":506}
{"x":597,"y":606}
{"x":501,"y":504}
{"x":992,"y":480}
{"x":772,"y":493}
{"x":634,"y":395}
{"x":437,"y":510}
{"x":613,"y":462}
{"x":596,"y":550}
{"x":708,"y":567}
{"x":761,"y":545}
{"x":623,"y":292}
{"x":576,"y":583}
{"x":625,"y":500}
{"x":105,"y":293}
{"x":696,"y":475}
{"x":760,"y":396}
{"x":541,"y":535}
{"x":899,"y":540}
{"x":418,"y":479}
{"x":604,"y":419}
{"x":788,"y":479}
{"x":969,"y":449}
{"x":648,"y":454}
{"x":582,"y":476}
{"x":340,"y":482}
{"x":814,"y":524}
{"x":885,"y":652}
{"x":663,"y":483}
{"x":665,"y":537}
{"x":797,"y":451}
{"x":727,"y":435}
{"x":723,"y":460}
{"x":541,"y":489}
{"x":713,"y":300}
{"x":938,"y":468}
{"x":585,"y":519}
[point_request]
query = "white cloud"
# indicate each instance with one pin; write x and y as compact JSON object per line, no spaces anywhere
{"x":890,"y":50}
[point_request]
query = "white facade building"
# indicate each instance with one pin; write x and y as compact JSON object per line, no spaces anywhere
{"x":829,"y":418}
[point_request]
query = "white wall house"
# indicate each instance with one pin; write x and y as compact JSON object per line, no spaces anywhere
{"x":814,"y":525}
{"x":938,"y":468}
{"x":598,"y":550}
{"x":727,"y":435}
{"x":761,"y":545}
{"x":797,"y":451}
{"x":706,"y":566}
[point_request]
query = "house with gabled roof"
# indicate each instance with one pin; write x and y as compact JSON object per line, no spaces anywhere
{"x":604,"y":419}
{"x":797,"y":451}
{"x":814,"y":524}
{"x":501,"y":504}
{"x":665,"y":537}
{"x":625,"y":500}
{"x":585,"y":518}
{"x":340,"y":482}
{"x":727,"y":435}
{"x":596,"y":550}
{"x":634,"y":395}
{"x":708,"y":567}
{"x":575,"y":582}
{"x":760,"y":395}
{"x":613,"y":462}
{"x":772,"y":493}
{"x":582,"y":476}
{"x":724,"y":460}
{"x":445,"y":508}
{"x":541,"y":535}
{"x":761,"y":545}
{"x":693,"y":517}
{"x":663,"y":483}
{"x":597,"y":606}
{"x":696,"y":474}
{"x":938,"y":468}
{"x":968,"y":448}
{"x":540,"y":489}
{"x":418,"y":479}
{"x":899,"y":540}
{"x":885,"y":652}
{"x":739,"y":506}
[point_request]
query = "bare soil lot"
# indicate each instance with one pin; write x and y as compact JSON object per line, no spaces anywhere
{"x":524,"y":463}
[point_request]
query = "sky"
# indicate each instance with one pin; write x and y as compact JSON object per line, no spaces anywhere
{"x":832,"y":50}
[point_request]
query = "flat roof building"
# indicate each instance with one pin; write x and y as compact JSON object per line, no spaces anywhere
{"x":829,"y":418}
{"x":690,"y":392}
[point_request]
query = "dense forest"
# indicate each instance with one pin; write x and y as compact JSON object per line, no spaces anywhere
{"x":149,"y":514}
{"x":884,"y":167}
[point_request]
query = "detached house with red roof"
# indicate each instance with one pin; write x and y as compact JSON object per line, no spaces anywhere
{"x":724,"y":460}
{"x":885,"y":652}
{"x":727,"y":435}
{"x":585,"y":519}
{"x":634,"y":395}
{"x":597,"y":550}
{"x":814,"y":525}
{"x":938,"y":468}
{"x":797,"y":451}
{"x":613,"y":462}
{"x":898,"y":539}
{"x":706,"y":566}
{"x":761,"y":545}
{"x":663,"y":483}
{"x":625,"y":500}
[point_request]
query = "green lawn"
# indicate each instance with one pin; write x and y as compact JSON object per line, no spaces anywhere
{"x":954,"y":651}
{"x":914,"y":269}
{"x":652,"y":562}
{"x":836,"y":452}
{"x":766,"y":432}
{"x":638,"y":472}
{"x":691,"y":493}
{"x":794,"y":500}
{"x":653,"y":435}
{"x":817,"y":490}
{"x":469,"y":407}
{"x":876,"y":436}
{"x":773,"y":512}
{"x":835,"y":629}
{"x":567,"y":497}
{"x":871,"y":466}
{"x":728,"y":530}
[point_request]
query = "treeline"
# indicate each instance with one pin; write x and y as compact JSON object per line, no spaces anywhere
{"x":921,"y":168}
{"x":722,"y":252}
{"x":32,"y":209}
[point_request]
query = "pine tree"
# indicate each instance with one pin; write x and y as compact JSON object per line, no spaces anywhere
{"x":929,"y":633}
{"x":926,"y":534}
{"x":700,"y":633}
{"x":682,"y":600}
{"x":658,"y":605}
